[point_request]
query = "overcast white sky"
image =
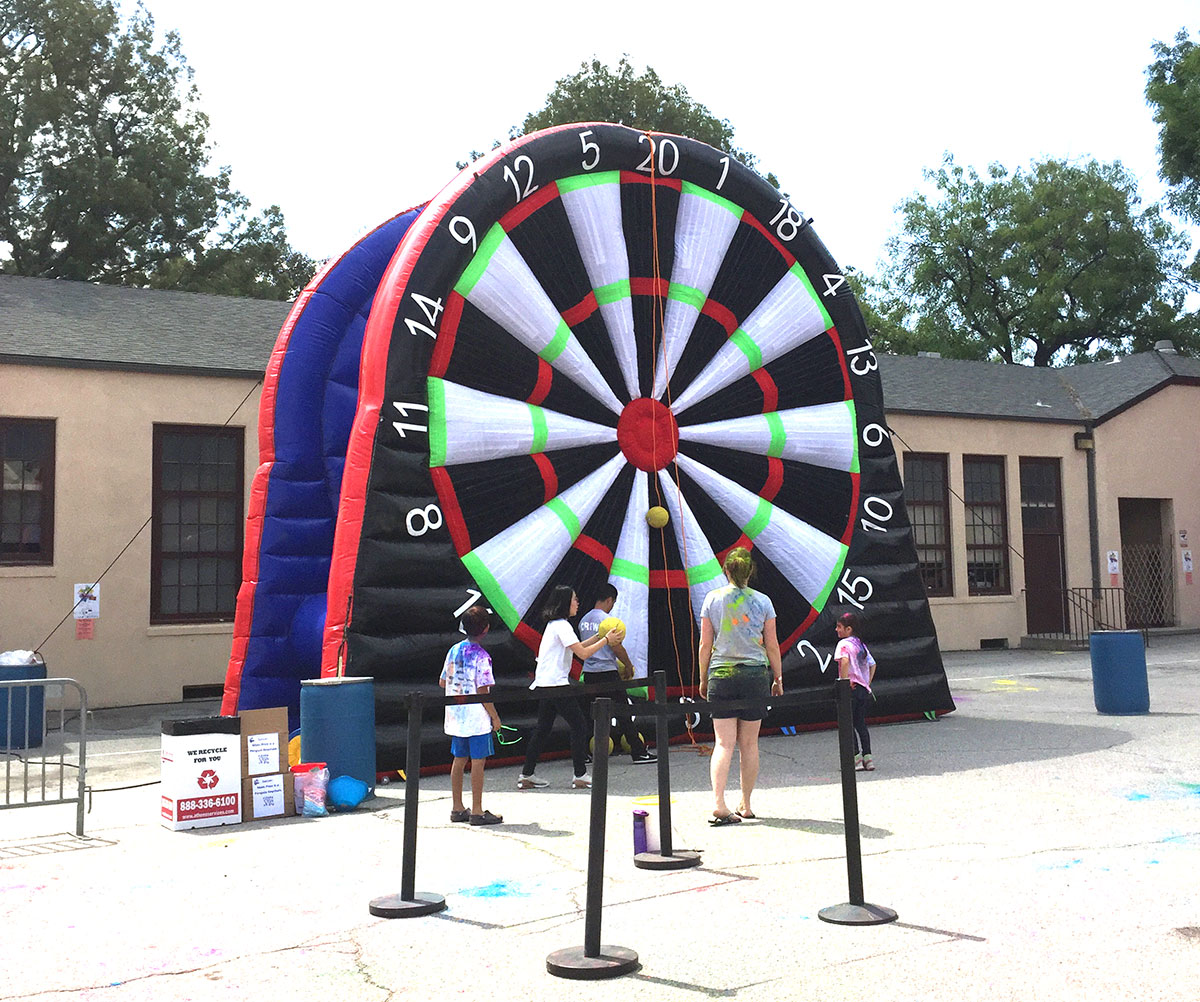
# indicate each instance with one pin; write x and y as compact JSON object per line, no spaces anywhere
{"x":347,"y":112}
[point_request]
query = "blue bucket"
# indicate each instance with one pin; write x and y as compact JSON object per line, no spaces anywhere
{"x":1119,"y":672}
{"x":22,"y":707}
{"x":337,"y":726}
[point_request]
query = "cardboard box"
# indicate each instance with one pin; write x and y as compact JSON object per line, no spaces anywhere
{"x":264,"y":741}
{"x":201,"y":773}
{"x":271,"y":796}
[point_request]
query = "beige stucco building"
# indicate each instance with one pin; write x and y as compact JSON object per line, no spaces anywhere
{"x":1099,"y":474}
{"x":108,"y":374}
{"x":127,"y":436}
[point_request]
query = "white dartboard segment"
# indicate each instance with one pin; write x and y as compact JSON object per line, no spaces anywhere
{"x":593,"y":206}
{"x":511,"y":567}
{"x":703,"y":570}
{"x":470,"y":426}
{"x":500,"y":284}
{"x":790,"y":315}
{"x":823,"y":435}
{"x":630,"y":575}
{"x":704,"y":225}
{"x":809,"y":558}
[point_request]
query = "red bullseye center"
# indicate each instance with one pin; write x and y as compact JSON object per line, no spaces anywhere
{"x":648,"y":434}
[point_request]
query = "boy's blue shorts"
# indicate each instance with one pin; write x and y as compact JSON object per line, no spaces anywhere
{"x":476,"y":746}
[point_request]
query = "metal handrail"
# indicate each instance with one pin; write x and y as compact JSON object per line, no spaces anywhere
{"x":1087,"y":610}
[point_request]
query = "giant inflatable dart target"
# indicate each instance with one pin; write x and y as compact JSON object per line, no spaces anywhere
{"x":589,"y":323}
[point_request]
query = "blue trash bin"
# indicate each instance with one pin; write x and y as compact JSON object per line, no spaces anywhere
{"x":21,"y":705}
{"x":1119,"y":672}
{"x":337,"y":726}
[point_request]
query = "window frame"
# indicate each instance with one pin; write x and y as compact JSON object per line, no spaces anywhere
{"x":160,"y":496}
{"x":947,"y":548}
{"x":45,"y":555}
{"x":1001,"y":464}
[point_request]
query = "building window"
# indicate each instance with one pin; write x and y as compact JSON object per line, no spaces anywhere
{"x":927,"y":499}
{"x":27,"y":491}
{"x":987,"y":525}
{"x":197,"y":529}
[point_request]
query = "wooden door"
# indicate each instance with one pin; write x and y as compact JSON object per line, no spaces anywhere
{"x":1042,"y":530}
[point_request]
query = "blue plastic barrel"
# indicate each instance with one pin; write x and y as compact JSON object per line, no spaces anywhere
{"x":1119,"y":672}
{"x":20,"y":704}
{"x":337,"y":726}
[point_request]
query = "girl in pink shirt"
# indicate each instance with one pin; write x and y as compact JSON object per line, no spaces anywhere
{"x":854,"y":662}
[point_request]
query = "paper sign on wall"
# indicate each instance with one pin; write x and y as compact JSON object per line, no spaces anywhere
{"x":1183,"y":537}
{"x":1114,"y":567}
{"x":1187,"y":566}
{"x":87,"y":601}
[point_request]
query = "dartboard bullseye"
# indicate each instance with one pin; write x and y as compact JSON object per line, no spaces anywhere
{"x":648,"y":434}
{"x":592,"y":323}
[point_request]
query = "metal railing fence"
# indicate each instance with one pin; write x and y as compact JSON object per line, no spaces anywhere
{"x":38,"y":759}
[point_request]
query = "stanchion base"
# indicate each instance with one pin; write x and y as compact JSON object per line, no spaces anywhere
{"x":864,"y":914}
{"x":657,"y":861}
{"x":613,"y":962}
{"x":394,"y":906}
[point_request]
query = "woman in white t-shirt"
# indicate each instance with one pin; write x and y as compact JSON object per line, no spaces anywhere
{"x":559,"y":644}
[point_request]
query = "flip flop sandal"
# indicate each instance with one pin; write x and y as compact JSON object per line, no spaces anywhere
{"x":749,"y":815}
{"x":727,"y":819}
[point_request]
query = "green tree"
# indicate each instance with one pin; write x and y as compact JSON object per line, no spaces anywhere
{"x":596,"y":93}
{"x":1173,"y":92}
{"x":253,"y":259}
{"x":1051,"y":264}
{"x":104,"y":158}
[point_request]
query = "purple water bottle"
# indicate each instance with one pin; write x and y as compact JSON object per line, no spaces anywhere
{"x":639,"y":830}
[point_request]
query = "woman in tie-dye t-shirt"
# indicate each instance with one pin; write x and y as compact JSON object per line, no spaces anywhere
{"x":739,"y":659}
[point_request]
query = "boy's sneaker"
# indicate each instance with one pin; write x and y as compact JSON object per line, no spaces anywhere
{"x":463,"y":815}
{"x":858,"y":761}
{"x":868,"y":763}
{"x":645,"y":759}
{"x":583,"y":782}
{"x":486,"y":818}
{"x":530,"y":783}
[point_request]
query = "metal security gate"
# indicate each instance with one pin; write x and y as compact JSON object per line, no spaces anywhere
{"x":1149,"y":585}
{"x":42,"y":765}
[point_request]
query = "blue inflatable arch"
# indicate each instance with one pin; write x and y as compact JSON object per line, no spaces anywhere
{"x":309,"y":398}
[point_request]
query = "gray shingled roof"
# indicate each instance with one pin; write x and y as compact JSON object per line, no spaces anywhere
{"x":49,"y":322}
{"x":1094,"y":391}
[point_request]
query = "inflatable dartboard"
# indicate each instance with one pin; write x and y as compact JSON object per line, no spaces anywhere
{"x":591,"y":322}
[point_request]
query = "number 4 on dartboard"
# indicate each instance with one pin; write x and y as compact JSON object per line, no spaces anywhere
{"x":832,"y":284}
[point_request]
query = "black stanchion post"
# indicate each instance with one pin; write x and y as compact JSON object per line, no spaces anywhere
{"x":408,"y":903}
{"x":594,"y":961}
{"x":664,"y":859}
{"x":856,"y":911}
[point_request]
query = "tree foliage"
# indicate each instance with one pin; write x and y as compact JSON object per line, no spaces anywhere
{"x":597,"y":93}
{"x":1056,"y":263}
{"x":1173,"y":92}
{"x":105,"y":163}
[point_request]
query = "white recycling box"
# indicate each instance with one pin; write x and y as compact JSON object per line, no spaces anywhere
{"x":201,"y":772}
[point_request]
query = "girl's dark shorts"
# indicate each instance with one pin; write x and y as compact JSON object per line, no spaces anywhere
{"x":745,"y":682}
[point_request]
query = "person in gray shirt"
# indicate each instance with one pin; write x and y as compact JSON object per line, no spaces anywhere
{"x":601,"y":668}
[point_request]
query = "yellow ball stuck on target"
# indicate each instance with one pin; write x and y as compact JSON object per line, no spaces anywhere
{"x":658,"y":516}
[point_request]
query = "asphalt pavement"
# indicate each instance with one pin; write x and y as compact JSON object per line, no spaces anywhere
{"x":1032,"y":848}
